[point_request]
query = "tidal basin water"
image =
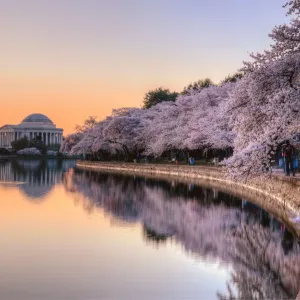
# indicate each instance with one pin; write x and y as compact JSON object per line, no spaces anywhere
{"x":73,"y":234}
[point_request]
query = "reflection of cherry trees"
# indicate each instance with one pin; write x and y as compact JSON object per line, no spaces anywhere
{"x":265,"y":263}
{"x":261,"y":268}
{"x":117,"y":201}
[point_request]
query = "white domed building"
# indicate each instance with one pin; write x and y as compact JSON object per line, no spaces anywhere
{"x":33,"y":126}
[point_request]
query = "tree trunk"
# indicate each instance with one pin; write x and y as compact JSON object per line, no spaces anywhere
{"x":186,"y":156}
{"x":126,"y":153}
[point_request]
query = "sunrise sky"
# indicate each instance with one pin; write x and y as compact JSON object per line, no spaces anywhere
{"x":70,"y":59}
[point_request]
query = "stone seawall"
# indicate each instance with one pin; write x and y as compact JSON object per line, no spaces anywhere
{"x":278,"y":195}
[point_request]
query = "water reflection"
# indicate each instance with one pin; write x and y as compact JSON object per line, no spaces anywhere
{"x":210,"y":225}
{"x":36,"y":178}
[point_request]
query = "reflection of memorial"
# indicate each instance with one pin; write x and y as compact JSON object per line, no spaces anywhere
{"x":217,"y":227}
{"x":36,"y":177}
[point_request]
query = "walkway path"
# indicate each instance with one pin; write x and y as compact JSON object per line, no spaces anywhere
{"x":279,"y":173}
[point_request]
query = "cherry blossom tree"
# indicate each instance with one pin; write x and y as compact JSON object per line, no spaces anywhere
{"x":264,"y":110}
{"x":119,"y":133}
{"x":264,"y":107}
{"x":73,"y":139}
{"x":70,"y":141}
{"x":160,"y":124}
{"x":196,"y":120}
{"x":208,"y":124}
{"x":84,"y":146}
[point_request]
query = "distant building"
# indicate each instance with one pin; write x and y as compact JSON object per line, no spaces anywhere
{"x":33,"y":126}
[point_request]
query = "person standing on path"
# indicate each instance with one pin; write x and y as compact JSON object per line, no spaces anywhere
{"x":288,"y":152}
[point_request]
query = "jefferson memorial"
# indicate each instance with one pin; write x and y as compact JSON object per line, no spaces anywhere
{"x":33,"y":126}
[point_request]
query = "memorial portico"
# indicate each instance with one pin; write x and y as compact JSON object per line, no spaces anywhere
{"x":33,"y":126}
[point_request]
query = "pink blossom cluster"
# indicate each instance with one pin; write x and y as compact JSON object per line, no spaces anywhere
{"x":193,"y":121}
{"x":29,"y":151}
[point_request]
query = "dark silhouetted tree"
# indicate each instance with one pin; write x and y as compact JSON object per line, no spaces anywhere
{"x":157,"y":96}
{"x":197,"y":86}
{"x":233,"y":78}
{"x":20,"y":144}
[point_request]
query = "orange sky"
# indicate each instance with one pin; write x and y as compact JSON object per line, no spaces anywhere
{"x":65,"y":102}
{"x":69,"y":99}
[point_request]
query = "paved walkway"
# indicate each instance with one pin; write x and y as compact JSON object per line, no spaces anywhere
{"x":280,"y":173}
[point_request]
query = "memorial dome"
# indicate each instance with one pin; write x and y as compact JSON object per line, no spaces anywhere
{"x":37,"y":118}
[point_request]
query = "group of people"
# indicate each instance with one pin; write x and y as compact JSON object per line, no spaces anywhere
{"x":191,"y":160}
